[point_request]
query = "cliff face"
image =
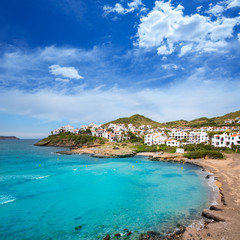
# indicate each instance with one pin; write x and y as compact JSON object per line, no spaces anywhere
{"x":8,"y":138}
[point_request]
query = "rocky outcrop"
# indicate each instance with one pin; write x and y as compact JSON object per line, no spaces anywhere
{"x":212,"y":215}
{"x":151,"y":235}
{"x":169,"y":157}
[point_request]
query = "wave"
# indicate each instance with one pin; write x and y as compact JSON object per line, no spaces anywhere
{"x":41,"y":177}
{"x":4,"y":199}
{"x":21,"y":177}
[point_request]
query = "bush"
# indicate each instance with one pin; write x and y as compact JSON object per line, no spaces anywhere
{"x":200,"y":146}
{"x":145,"y":148}
{"x":203,"y":154}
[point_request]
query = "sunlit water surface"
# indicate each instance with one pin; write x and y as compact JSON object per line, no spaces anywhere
{"x":44,"y":195}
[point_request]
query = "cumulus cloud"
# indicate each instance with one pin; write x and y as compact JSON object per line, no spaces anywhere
{"x":216,"y":10}
{"x":119,"y":9}
{"x":167,"y":28}
{"x":67,"y":72}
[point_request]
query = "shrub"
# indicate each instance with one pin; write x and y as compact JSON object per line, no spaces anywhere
{"x":203,"y":154}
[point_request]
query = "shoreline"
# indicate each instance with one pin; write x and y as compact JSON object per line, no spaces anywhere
{"x":221,"y":221}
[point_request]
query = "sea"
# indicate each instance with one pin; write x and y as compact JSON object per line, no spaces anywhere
{"x":45,"y":195}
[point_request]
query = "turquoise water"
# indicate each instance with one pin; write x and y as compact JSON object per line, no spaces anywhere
{"x":44,"y":195}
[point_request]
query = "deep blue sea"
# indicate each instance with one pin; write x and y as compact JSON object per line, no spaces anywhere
{"x":44,"y":195}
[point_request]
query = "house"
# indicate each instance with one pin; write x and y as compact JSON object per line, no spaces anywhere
{"x":172,"y":143}
{"x":226,"y":140}
{"x":180,"y":150}
{"x":229,"y":121}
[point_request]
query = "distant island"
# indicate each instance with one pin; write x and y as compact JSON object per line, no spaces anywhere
{"x":8,"y":138}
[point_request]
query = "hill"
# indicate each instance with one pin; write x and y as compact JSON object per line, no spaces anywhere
{"x":136,"y":120}
{"x":231,"y":115}
{"x":203,"y":122}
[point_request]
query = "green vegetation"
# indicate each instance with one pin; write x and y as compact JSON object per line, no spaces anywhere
{"x":193,"y":150}
{"x":154,"y":148}
{"x":134,"y":138}
{"x":70,"y":139}
{"x":203,"y":154}
{"x":204,"y":122}
{"x":136,"y":120}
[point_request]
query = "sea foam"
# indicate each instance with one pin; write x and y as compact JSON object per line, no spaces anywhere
{"x":6,"y":199}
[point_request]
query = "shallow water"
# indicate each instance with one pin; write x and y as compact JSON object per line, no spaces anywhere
{"x":44,"y":195}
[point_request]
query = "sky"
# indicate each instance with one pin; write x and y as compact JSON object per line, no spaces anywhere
{"x":82,"y":61}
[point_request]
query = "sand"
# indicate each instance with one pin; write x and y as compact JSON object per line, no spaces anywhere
{"x":227,"y":172}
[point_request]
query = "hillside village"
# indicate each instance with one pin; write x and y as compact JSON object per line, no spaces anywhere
{"x":227,"y":135}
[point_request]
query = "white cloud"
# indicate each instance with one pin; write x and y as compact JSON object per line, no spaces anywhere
{"x":64,"y":80}
{"x":193,"y":97}
{"x":118,"y":8}
{"x":233,"y":3}
{"x":168,"y":29}
{"x":185,"y":49}
{"x":216,"y":10}
{"x":68,"y":72}
{"x":170,"y":66}
{"x":199,"y":8}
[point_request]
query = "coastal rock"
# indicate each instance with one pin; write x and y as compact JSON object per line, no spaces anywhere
{"x":78,"y":227}
{"x":129,"y":233}
{"x":210,"y":215}
{"x":214,"y":208}
{"x":169,"y":157}
{"x":107,"y":237}
{"x":117,"y":235}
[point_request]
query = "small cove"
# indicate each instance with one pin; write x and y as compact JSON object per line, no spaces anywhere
{"x":45,"y":195}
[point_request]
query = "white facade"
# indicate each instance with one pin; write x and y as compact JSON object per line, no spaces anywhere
{"x":66,"y":128}
{"x":226,"y":140}
{"x":178,"y":135}
{"x":198,"y":137}
{"x":180,"y":150}
{"x":172,"y":143}
{"x":156,"y":138}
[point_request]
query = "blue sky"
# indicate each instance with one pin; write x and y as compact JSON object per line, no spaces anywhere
{"x":76,"y":62}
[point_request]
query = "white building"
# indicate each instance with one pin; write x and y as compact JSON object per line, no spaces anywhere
{"x":66,"y":128}
{"x":226,"y":140}
{"x":172,"y":143}
{"x":180,"y":150}
{"x":197,"y":137}
{"x":229,"y":121}
{"x":178,"y":135}
{"x":156,"y":138}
